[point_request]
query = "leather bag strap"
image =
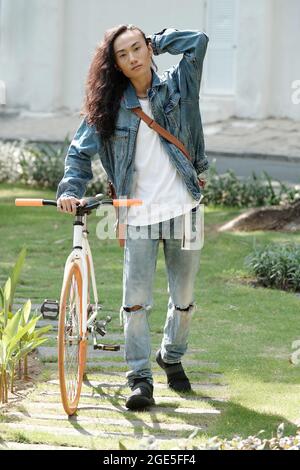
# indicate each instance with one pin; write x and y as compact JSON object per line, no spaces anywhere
{"x":163,"y":132}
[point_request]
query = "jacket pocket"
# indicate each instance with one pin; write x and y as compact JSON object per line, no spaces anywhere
{"x":120,"y":143}
{"x":187,"y":139}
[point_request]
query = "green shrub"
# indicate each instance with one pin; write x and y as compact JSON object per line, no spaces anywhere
{"x":276,"y":266}
{"x":10,"y":156}
{"x":229,"y":190}
{"x":42,"y":165}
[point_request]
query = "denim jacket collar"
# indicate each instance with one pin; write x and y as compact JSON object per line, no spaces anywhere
{"x":130,"y":99}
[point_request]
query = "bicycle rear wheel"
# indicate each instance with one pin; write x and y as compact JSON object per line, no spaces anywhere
{"x":71,"y":345}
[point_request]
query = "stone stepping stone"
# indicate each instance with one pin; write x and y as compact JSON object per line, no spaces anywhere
{"x":103,"y":364}
{"x":47,"y":352}
{"x":163,"y":400}
{"x":158,"y":400}
{"x":122,"y":409}
{"x":120,"y":385}
{"x":159,"y":373}
{"x":92,"y":366}
{"x":5,"y":445}
{"x":33,"y":306}
{"x":113,"y":336}
{"x":24,"y":299}
{"x":51,"y":351}
{"x":58,"y":431}
{"x":107,"y":421}
{"x":123,"y":367}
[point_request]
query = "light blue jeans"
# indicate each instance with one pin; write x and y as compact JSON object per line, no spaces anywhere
{"x":140,"y":258}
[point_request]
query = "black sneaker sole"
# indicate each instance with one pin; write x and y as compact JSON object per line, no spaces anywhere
{"x":139,"y":402}
{"x":185,"y":387}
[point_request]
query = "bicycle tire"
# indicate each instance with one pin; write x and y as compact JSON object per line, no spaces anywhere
{"x":71,"y":345}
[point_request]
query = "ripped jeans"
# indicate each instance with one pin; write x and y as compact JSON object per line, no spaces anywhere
{"x":140,"y":258}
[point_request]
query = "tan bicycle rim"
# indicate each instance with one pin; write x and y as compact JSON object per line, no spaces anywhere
{"x":71,"y":346}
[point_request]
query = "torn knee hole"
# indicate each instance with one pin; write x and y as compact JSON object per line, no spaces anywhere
{"x":132,"y":309}
{"x":186,"y":309}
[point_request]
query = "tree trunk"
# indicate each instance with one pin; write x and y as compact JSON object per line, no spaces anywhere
{"x":12,"y":380}
{"x":1,"y":388}
{"x":20,"y":369}
{"x":25,"y":367}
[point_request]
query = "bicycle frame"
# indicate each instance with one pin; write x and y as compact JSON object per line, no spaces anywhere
{"x":78,"y":272}
{"x":81,"y":255}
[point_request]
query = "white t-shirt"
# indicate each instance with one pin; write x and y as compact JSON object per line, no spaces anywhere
{"x":156,"y":180}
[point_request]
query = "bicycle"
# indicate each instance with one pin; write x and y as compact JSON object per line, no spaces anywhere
{"x":77,"y":316}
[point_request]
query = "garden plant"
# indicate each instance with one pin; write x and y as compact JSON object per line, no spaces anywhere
{"x":18,"y":336}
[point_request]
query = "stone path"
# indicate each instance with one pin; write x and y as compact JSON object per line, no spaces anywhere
{"x":102,"y":420}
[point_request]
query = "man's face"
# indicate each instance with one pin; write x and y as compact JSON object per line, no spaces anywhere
{"x":132,"y":51}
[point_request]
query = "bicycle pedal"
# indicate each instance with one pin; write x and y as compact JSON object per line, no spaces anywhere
{"x":100,"y":327}
{"x":107,"y":347}
{"x":50,"y":309}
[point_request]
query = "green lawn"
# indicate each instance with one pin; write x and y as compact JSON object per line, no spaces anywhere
{"x":248,"y":331}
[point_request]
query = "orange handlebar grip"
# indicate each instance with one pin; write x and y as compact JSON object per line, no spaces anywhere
{"x":29,"y":202}
{"x":127,"y":202}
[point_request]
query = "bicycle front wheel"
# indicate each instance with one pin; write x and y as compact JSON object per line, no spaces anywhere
{"x":71,"y":345}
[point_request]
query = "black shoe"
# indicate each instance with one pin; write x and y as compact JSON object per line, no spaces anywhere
{"x":177,"y":379}
{"x":142,"y":396}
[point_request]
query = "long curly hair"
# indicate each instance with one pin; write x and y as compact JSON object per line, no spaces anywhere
{"x":105,"y":84}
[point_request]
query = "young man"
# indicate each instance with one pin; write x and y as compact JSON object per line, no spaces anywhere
{"x":142,"y":164}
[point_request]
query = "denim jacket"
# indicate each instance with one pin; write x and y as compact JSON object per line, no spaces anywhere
{"x":174,"y":100}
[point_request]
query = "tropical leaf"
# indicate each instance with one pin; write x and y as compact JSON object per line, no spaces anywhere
{"x":6,"y":295}
{"x":26,"y":309}
{"x":16,"y":274}
{"x":27,"y":348}
{"x":13,"y":343}
{"x":2,"y":353}
{"x":43,"y":330}
{"x":122,"y":446}
{"x":12,"y":327}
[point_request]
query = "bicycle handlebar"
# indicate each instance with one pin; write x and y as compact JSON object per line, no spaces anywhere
{"x":30,"y":202}
{"x":47,"y":202}
{"x":126,"y":202}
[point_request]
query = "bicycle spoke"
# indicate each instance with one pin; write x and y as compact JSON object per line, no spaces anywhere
{"x":72,"y":341}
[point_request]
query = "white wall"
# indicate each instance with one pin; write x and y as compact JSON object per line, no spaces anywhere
{"x":46,"y":47}
{"x":268,"y":58}
{"x":254,"y":58}
{"x":30,"y":53}
{"x":84,"y":32}
{"x":285,"y":57}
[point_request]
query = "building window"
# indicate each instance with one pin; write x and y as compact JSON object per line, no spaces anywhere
{"x":221,"y":26}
